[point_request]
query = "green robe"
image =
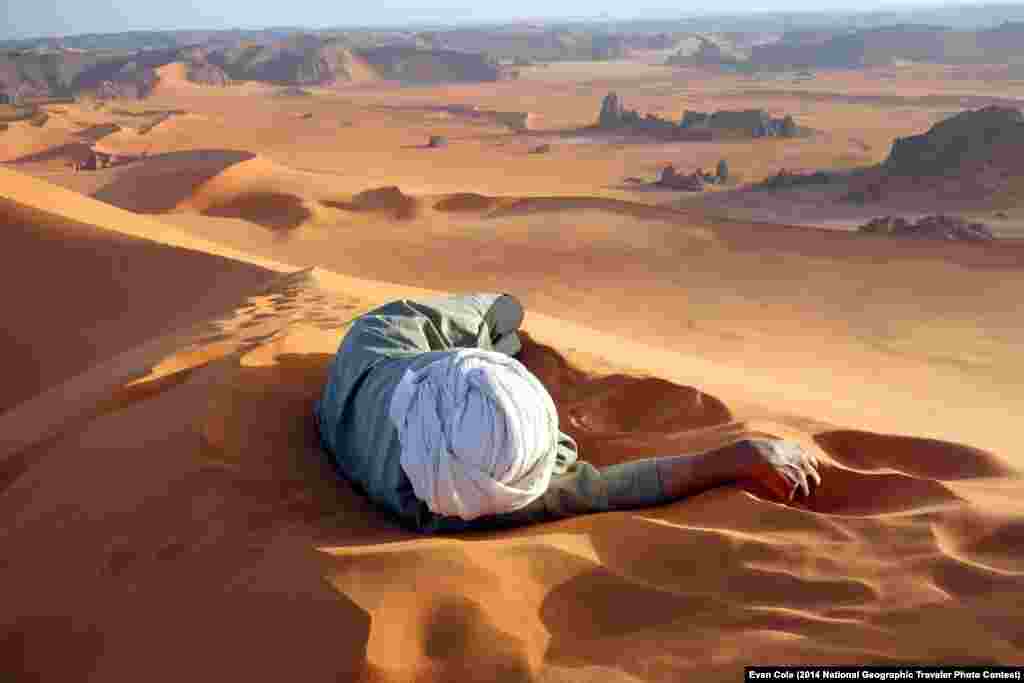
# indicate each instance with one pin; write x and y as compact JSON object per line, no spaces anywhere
{"x":352,"y":413}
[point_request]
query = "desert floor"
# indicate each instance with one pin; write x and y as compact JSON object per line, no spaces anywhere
{"x":167,"y":511}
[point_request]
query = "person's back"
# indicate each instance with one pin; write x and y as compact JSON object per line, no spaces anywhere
{"x":427,"y":412}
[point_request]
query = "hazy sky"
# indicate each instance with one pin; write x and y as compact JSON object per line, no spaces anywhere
{"x":31,"y":18}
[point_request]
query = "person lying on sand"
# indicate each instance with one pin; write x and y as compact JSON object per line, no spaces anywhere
{"x":427,"y":411}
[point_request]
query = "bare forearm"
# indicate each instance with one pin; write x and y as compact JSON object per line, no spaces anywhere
{"x":687,"y":475}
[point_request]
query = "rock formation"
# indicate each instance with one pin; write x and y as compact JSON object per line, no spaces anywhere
{"x":722,"y":171}
{"x":992,"y":135}
{"x":604,"y":47}
{"x":786,"y":178}
{"x":39,"y":118}
{"x":755,"y":122}
{"x":299,"y":59}
{"x":293,"y":91}
{"x":436,"y":141}
{"x":970,"y":157}
{"x":930,"y":227}
{"x":789,"y":127}
{"x":389,"y":199}
{"x":707,"y":50}
{"x":130,"y":82}
{"x":412,"y":65}
{"x":202,"y":72}
{"x":670,"y":178}
{"x":751,"y":122}
{"x":611,"y":111}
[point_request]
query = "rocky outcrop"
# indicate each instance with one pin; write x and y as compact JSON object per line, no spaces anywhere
{"x":613,"y":115}
{"x":611,"y":111}
{"x":297,"y":60}
{"x":674,"y":180}
{"x":202,"y":72}
{"x":970,"y":157}
{"x":784,"y":179}
{"x":992,"y":136}
{"x":131,"y":82}
{"x":39,"y":118}
{"x":436,"y":141}
{"x":845,"y":48}
{"x":413,"y":65}
{"x":293,"y":91}
{"x":604,"y":46}
{"x":755,"y":123}
{"x":91,"y":160}
{"x":694,"y":119}
{"x":702,"y":50}
{"x":722,"y":171}
{"x":278,"y":57}
{"x":931,"y":227}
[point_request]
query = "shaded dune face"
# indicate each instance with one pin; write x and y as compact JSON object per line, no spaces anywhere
{"x":388,"y":199}
{"x":465,"y":201}
{"x":176,"y":175}
{"x":63,"y":153}
{"x":617,"y":418}
{"x":274,"y":210}
{"x":98,"y":294}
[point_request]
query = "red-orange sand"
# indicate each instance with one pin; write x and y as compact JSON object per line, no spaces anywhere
{"x":166,"y":513}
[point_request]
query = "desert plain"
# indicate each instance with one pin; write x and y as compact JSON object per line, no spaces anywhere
{"x":166,"y":512}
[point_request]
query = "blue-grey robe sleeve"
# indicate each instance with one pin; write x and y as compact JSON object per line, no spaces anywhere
{"x":351,"y":414}
{"x":584,"y":489}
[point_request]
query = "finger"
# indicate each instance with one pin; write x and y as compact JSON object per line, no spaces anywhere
{"x":804,"y":485}
{"x":817,"y":477}
{"x":794,"y":480}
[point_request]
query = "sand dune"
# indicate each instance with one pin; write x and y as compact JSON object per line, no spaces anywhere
{"x":176,"y":174}
{"x":61,"y":154}
{"x":728,"y":571}
{"x":21,"y":139}
{"x":756,"y":299}
{"x":169,"y":515}
{"x":134,"y":291}
{"x":908,"y":552}
{"x":382,"y":200}
{"x":465,"y":201}
{"x":173,"y":79}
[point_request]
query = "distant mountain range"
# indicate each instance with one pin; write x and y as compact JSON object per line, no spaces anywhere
{"x":853,"y":48}
{"x":296,"y":59}
{"x":123,"y":65}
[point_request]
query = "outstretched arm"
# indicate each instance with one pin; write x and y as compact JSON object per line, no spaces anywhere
{"x":783,"y":466}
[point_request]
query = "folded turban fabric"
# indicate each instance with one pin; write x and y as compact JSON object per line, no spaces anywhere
{"x":478,"y":432}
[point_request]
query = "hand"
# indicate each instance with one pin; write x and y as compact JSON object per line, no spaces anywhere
{"x":784,"y":466}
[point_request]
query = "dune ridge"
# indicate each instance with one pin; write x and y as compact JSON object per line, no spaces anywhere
{"x":907,"y":553}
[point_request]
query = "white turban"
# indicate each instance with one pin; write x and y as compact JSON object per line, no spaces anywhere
{"x":478,"y":431}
